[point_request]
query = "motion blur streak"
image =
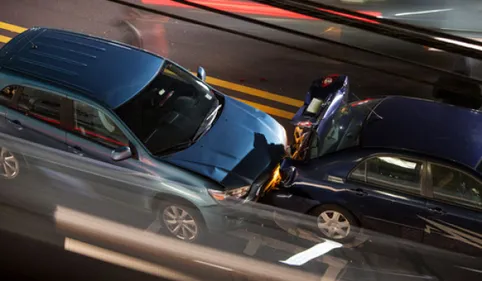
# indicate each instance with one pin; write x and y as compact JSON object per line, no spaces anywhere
{"x":422,"y":12}
{"x":95,"y":252}
{"x":235,"y":7}
{"x":246,"y":8}
{"x":350,"y":16}
{"x":92,"y":228}
{"x":268,"y":109}
{"x":214,"y":265}
{"x":463,"y":44}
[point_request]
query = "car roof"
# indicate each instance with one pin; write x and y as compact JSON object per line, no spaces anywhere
{"x":106,"y":71}
{"x":427,"y":127}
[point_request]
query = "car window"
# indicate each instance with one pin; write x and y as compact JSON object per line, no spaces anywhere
{"x":359,"y":172}
{"x":93,"y":124}
{"x":455,"y":186}
{"x":342,"y":130}
{"x":7,"y":94}
{"x":42,"y":105}
{"x":395,"y":172}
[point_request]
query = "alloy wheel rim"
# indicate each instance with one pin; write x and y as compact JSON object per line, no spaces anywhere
{"x":180,"y":223}
{"x":333,"y":224}
{"x":9,"y":167}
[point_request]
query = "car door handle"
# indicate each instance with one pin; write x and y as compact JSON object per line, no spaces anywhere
{"x":16,"y":124}
{"x":76,"y":150}
{"x":359,"y":192}
{"x":437,"y":210}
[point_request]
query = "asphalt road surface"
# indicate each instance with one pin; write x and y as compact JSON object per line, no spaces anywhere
{"x":271,"y":78}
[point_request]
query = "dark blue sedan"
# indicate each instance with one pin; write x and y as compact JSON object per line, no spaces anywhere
{"x":402,"y":166}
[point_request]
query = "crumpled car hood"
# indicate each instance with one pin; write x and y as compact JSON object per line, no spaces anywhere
{"x":242,"y":144}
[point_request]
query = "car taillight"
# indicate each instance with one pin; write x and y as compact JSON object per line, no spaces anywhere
{"x":357,"y":103}
{"x":304,"y":124}
{"x":327,"y":81}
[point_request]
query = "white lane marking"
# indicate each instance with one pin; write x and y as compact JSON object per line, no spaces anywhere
{"x":312,"y":253}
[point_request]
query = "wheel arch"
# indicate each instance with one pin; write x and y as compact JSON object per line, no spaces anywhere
{"x":161,"y":198}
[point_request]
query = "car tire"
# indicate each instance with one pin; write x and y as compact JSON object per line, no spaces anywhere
{"x":335,"y":223}
{"x":9,"y":164}
{"x":182,"y":221}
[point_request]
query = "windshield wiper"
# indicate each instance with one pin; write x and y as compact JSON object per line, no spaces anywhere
{"x":206,"y":125}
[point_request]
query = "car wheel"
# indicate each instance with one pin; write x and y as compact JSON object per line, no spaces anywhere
{"x":183,"y":222}
{"x":335,"y":223}
{"x":9,"y":164}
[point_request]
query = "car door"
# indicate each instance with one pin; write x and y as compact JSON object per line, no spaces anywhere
{"x":94,"y":134}
{"x":387,"y":191}
{"x":455,"y":218}
{"x":7,"y":95}
{"x":8,"y":165}
{"x":34,"y":118}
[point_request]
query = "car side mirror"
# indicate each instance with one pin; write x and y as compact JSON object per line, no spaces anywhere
{"x":201,"y":73}
{"x":121,"y":153}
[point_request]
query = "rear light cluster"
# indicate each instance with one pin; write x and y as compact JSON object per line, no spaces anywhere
{"x":304,"y":124}
{"x":236,"y":193}
{"x":357,"y":103}
{"x":327,"y":81}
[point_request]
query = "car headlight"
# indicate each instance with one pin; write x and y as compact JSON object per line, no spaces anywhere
{"x":231,"y":193}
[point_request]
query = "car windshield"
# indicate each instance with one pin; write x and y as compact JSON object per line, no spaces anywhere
{"x":342,"y":129}
{"x":173,"y":110}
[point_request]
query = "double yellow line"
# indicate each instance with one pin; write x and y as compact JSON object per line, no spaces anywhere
{"x":214,"y":82}
{"x":11,"y":28}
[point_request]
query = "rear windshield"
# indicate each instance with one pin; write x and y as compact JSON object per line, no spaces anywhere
{"x":342,"y":129}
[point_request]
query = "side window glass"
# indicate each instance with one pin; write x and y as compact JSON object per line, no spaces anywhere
{"x":7,"y":94}
{"x":41,"y":105}
{"x":395,"y":173}
{"x":93,"y":124}
{"x":456,"y":186}
{"x":359,"y":172}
